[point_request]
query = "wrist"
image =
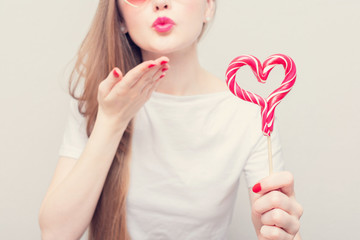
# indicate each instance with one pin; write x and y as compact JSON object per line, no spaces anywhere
{"x":113,"y":125}
{"x":104,"y":141}
{"x":110,"y":128}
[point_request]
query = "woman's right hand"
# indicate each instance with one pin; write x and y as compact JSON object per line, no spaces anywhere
{"x":121,"y":97}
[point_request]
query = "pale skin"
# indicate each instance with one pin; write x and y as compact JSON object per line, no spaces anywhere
{"x":170,"y":66}
{"x":274,"y":210}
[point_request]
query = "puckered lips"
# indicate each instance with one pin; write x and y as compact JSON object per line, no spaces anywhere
{"x":163,"y":24}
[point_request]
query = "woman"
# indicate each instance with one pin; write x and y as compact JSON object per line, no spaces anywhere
{"x":160,"y":143}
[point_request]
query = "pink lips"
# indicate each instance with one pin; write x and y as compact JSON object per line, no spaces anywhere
{"x":163,"y":24}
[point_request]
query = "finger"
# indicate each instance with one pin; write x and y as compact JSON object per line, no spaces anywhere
{"x":139,"y":72}
{"x":150,"y":68}
{"x":152,"y":76}
{"x":107,"y":84}
{"x":150,"y":87}
{"x":282,"y":219}
{"x":136,"y":74}
{"x":162,"y":60}
{"x":274,"y":233}
{"x":147,"y":92}
{"x":276,"y":199}
{"x":162,"y":71}
{"x":148,"y":80}
{"x":143,"y":71}
{"x":283,"y":181}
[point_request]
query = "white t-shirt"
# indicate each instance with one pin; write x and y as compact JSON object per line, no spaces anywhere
{"x":187,"y":156}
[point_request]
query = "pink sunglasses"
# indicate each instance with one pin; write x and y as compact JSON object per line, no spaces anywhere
{"x":135,"y":3}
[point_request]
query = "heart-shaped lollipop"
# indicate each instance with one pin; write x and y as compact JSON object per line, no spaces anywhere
{"x":261,"y":72}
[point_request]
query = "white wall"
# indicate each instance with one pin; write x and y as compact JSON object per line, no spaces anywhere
{"x":318,"y":120}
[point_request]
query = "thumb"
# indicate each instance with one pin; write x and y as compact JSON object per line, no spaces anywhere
{"x":106,"y":85}
{"x":283,"y":181}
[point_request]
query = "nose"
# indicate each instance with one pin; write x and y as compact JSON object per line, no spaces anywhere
{"x":161,"y":5}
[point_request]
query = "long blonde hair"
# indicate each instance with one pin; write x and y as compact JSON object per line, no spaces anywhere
{"x":104,"y":48}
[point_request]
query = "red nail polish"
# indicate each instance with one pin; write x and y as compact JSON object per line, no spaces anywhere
{"x":164,"y":69}
{"x":256,"y":188}
{"x":162,"y":76}
{"x":151,"y":65}
{"x":116,"y":74}
{"x":163,"y":62}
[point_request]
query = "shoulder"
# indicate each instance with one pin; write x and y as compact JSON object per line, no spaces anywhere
{"x":245,"y":115}
{"x":240,"y":109}
{"x":75,"y":116}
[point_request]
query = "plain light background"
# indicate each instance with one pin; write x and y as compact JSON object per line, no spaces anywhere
{"x":318,"y":121}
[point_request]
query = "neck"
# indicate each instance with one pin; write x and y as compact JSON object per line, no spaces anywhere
{"x":185,"y":75}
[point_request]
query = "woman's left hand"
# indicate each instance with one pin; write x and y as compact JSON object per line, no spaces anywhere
{"x":275,"y":211}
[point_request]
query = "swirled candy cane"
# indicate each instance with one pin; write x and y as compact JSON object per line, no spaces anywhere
{"x":261,"y":71}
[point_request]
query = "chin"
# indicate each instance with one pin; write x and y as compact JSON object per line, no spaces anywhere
{"x":163,"y":51}
{"x":168,"y":43}
{"x":170,"y":48}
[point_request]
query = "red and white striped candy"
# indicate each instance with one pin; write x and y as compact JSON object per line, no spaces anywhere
{"x":261,"y":72}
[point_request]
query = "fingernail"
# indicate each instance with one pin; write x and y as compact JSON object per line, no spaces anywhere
{"x":164,"y":69}
{"x":162,"y":76}
{"x":116,"y":74}
{"x":164,"y":62}
{"x":151,"y":65}
{"x":256,"y":188}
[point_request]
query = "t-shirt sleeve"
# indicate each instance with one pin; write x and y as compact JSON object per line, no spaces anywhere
{"x":74,"y":137}
{"x":257,"y":165}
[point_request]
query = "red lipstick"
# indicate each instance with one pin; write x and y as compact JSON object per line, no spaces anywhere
{"x":163,"y":24}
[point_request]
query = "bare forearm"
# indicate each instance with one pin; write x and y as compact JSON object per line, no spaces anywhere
{"x":68,"y":209}
{"x":69,"y":206}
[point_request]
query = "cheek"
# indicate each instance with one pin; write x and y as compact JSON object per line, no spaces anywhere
{"x":135,"y":25}
{"x":137,"y":29}
{"x":194,"y":24}
{"x":129,"y":15}
{"x":194,"y":13}
{"x":194,"y":9}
